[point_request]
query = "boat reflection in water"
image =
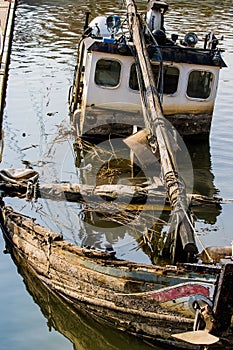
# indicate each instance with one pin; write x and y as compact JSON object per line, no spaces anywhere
{"x":203,"y":178}
{"x":84,"y":332}
{"x":119,"y":227}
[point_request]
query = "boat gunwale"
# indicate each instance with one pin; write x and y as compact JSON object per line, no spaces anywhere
{"x":102,"y":258}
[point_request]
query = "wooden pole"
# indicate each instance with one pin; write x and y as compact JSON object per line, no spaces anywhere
{"x":156,"y":125}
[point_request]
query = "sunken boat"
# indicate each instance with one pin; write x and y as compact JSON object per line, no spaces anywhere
{"x":107,"y":91}
{"x":186,"y":303}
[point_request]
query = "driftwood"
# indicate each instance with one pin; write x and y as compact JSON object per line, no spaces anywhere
{"x":215,"y":254}
{"x":73,"y":192}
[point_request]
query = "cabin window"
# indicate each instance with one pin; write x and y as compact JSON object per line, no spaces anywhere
{"x":133,"y":78}
{"x":107,"y":73}
{"x":170,"y":76}
{"x":199,"y":84}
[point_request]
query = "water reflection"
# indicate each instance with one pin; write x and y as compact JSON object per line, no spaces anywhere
{"x":117,"y":222}
{"x":202,"y":167}
{"x":42,"y":67}
{"x":204,"y":179}
{"x":147,"y":226}
{"x":42,"y":64}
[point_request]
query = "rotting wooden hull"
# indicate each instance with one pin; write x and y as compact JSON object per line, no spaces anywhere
{"x":74,"y":323}
{"x":148,"y":301}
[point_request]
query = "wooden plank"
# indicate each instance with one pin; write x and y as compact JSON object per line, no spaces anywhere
{"x":7,"y":13}
{"x":80,"y":193}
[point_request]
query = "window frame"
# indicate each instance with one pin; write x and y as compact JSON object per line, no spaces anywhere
{"x":211,"y":85}
{"x":120,"y":74}
{"x":165,"y":65}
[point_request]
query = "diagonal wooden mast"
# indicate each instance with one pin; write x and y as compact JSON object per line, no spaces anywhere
{"x":155,"y":124}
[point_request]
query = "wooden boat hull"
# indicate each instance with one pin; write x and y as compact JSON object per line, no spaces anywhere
{"x":149,"y":301}
{"x":82,"y":329}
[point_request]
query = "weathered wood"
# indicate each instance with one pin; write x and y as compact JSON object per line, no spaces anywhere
{"x":122,"y":292}
{"x":215,"y":254}
{"x":86,"y":193}
{"x":156,"y":125}
{"x":74,"y":323}
{"x":138,"y":143}
{"x":72,"y":319}
{"x":223,"y":300}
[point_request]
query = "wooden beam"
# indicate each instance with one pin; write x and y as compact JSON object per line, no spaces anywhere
{"x":83,"y":193}
{"x":156,"y":125}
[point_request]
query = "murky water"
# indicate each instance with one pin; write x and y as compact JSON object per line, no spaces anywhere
{"x":36,"y":118}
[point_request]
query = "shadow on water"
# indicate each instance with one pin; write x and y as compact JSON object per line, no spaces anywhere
{"x":203,"y":178}
{"x":202,"y":167}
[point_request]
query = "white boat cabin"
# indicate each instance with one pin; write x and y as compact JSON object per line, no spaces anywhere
{"x":106,"y":87}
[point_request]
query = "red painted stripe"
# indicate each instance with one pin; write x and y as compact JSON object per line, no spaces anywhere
{"x":179,"y":292}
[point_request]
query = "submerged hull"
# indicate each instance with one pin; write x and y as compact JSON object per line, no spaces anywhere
{"x":101,"y":123}
{"x":152,"y":302}
{"x":190,"y":127}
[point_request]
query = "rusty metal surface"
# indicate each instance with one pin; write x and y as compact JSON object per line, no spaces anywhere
{"x":173,"y":53}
